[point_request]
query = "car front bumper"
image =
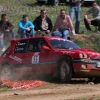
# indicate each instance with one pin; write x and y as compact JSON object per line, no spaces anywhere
{"x":85,"y":67}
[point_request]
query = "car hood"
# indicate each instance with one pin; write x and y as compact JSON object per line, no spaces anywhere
{"x":91,"y":53}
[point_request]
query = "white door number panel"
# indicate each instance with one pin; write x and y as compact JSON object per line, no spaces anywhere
{"x":35,"y":58}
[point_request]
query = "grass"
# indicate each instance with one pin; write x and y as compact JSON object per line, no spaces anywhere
{"x":16,"y":8}
{"x":3,"y":88}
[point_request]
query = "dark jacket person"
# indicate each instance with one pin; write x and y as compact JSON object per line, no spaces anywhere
{"x":43,"y":24}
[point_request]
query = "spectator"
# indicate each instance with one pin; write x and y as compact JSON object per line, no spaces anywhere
{"x":6,"y":29}
{"x":75,"y":8}
{"x":95,"y":20}
{"x":26,"y":27}
{"x":64,"y":25}
{"x":43,"y":24}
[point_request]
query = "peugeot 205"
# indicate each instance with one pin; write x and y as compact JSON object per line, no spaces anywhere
{"x":60,"y":58}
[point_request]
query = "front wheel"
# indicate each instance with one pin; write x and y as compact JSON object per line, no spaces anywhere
{"x":65,"y":72}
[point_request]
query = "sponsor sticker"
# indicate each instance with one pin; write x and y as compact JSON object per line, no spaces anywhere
{"x":16,"y":58}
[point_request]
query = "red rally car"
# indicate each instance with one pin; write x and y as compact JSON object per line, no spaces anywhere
{"x":59,"y":57}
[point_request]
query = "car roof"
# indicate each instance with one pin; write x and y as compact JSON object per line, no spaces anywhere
{"x":45,"y":37}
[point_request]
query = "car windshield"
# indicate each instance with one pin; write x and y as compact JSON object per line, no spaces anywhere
{"x":63,"y":44}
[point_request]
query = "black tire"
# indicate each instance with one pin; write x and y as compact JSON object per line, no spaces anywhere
{"x":6,"y":71}
{"x":65,"y":72}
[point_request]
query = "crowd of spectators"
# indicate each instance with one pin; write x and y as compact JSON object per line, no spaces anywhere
{"x":42,"y":25}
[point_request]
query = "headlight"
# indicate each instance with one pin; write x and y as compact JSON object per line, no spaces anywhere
{"x":85,"y":56}
{"x":81,"y":55}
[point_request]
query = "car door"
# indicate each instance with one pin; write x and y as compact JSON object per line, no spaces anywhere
{"x":20,"y":57}
{"x":38,"y":60}
{"x":33,"y":60}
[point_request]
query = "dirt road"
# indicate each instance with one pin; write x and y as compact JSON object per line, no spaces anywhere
{"x":55,"y":91}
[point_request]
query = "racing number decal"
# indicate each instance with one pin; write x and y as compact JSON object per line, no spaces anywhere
{"x":35,"y":58}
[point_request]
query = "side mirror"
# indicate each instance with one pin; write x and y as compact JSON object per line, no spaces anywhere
{"x":46,"y":48}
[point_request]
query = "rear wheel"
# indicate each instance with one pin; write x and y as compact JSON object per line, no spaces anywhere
{"x":65,"y":72}
{"x":6,"y":71}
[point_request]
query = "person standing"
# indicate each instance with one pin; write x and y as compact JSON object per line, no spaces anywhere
{"x":26,"y":27}
{"x":95,"y":20}
{"x":75,"y":8}
{"x":43,"y":24}
{"x":63,"y":25}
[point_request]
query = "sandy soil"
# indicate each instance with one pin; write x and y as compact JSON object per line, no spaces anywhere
{"x":57,"y":91}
